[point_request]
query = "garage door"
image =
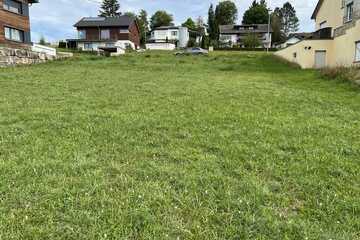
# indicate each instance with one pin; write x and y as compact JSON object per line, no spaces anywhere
{"x":320,"y":59}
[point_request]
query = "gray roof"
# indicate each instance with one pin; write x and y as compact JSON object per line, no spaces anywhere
{"x":166,"y":27}
{"x":121,"y":21}
{"x":302,"y":35}
{"x":244,"y":29}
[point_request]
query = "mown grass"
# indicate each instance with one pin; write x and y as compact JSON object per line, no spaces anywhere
{"x":153,"y":146}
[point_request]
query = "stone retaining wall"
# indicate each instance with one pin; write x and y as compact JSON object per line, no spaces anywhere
{"x":11,"y":57}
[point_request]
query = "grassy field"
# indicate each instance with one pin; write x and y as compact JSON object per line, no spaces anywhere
{"x":153,"y":146}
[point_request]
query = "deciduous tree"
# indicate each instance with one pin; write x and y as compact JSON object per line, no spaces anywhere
{"x":161,"y":18}
{"x":256,"y":14}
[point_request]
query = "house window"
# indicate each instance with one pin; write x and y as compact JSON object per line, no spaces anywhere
{"x":88,"y":46}
{"x":124,"y":31}
{"x":357,"y":52}
{"x":105,"y":34}
{"x":13,"y":6}
{"x":14,"y":34}
{"x":82,"y":34}
{"x":174,"y":33}
{"x":349,"y":12}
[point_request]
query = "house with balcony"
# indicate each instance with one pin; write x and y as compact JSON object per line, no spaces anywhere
{"x":234,"y":35}
{"x":168,"y":38}
{"x":106,"y":33}
{"x":15,"y":23}
{"x":336,"y":41}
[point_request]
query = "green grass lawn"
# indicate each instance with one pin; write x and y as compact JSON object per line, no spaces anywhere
{"x":153,"y":146}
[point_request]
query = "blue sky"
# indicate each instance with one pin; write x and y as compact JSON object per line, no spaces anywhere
{"x":54,"y":19}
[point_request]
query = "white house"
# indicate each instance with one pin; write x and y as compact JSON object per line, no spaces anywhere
{"x":168,"y":38}
{"x":294,"y":38}
{"x":236,"y":34}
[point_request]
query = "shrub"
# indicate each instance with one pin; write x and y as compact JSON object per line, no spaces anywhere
{"x":347,"y":74}
{"x":62,"y":44}
{"x":251,"y":41}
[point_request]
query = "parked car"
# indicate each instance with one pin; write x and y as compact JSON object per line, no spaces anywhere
{"x":193,"y":51}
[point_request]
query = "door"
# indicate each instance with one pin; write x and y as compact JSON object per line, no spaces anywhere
{"x":320,"y":59}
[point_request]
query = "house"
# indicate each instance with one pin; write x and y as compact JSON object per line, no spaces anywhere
{"x":294,"y":38}
{"x":15,"y":23}
{"x":168,"y":38}
{"x":336,"y":41}
{"x":106,"y":33}
{"x":235,"y":34}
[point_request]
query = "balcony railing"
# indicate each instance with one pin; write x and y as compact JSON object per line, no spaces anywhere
{"x":324,"y":33}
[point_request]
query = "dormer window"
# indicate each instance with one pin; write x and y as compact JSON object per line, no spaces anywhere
{"x":13,"y":6}
{"x":349,"y":12}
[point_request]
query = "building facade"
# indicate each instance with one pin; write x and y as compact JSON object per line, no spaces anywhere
{"x":336,"y":41}
{"x":15,"y":23}
{"x":234,"y":35}
{"x":95,"y":33}
{"x":168,"y":38}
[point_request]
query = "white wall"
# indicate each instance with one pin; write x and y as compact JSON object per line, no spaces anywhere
{"x":160,"y":46}
{"x":43,"y":49}
{"x":182,"y":35}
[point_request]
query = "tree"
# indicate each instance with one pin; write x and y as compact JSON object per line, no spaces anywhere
{"x":42,"y":41}
{"x":256,"y":14}
{"x":251,"y":41}
{"x":189,"y":23}
{"x":225,"y":13}
{"x":289,"y":20}
{"x":161,"y":18}
{"x":143,"y":23}
{"x":130,"y":14}
{"x":276,"y":25}
{"x":109,"y":8}
{"x":211,"y":23}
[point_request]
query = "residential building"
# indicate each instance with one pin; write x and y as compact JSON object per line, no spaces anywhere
{"x":14,"y":23}
{"x":294,"y":38}
{"x":231,"y":35}
{"x":336,"y":41}
{"x":168,"y":38}
{"x":96,"y":33}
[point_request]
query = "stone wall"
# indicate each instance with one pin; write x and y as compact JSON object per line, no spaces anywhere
{"x":11,"y":57}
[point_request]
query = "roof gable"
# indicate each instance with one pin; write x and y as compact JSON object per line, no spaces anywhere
{"x":317,"y":8}
{"x":121,"y":21}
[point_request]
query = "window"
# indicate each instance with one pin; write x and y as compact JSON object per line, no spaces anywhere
{"x":323,"y":24}
{"x":109,"y":44}
{"x":174,"y":33}
{"x":13,"y":6}
{"x":357,"y":52}
{"x":82,"y":34}
{"x":88,"y":46}
{"x":349,"y":12}
{"x":124,"y":30}
{"x":14,"y":34}
{"x":105,"y":34}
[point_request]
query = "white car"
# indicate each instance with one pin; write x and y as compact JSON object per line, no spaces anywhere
{"x":193,"y":51}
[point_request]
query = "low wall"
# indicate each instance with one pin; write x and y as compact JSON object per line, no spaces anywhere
{"x":160,"y":46}
{"x":11,"y":57}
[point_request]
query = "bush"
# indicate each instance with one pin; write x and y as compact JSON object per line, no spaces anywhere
{"x":62,"y":44}
{"x":191,"y":42}
{"x":346,"y":74}
{"x":251,"y":41}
